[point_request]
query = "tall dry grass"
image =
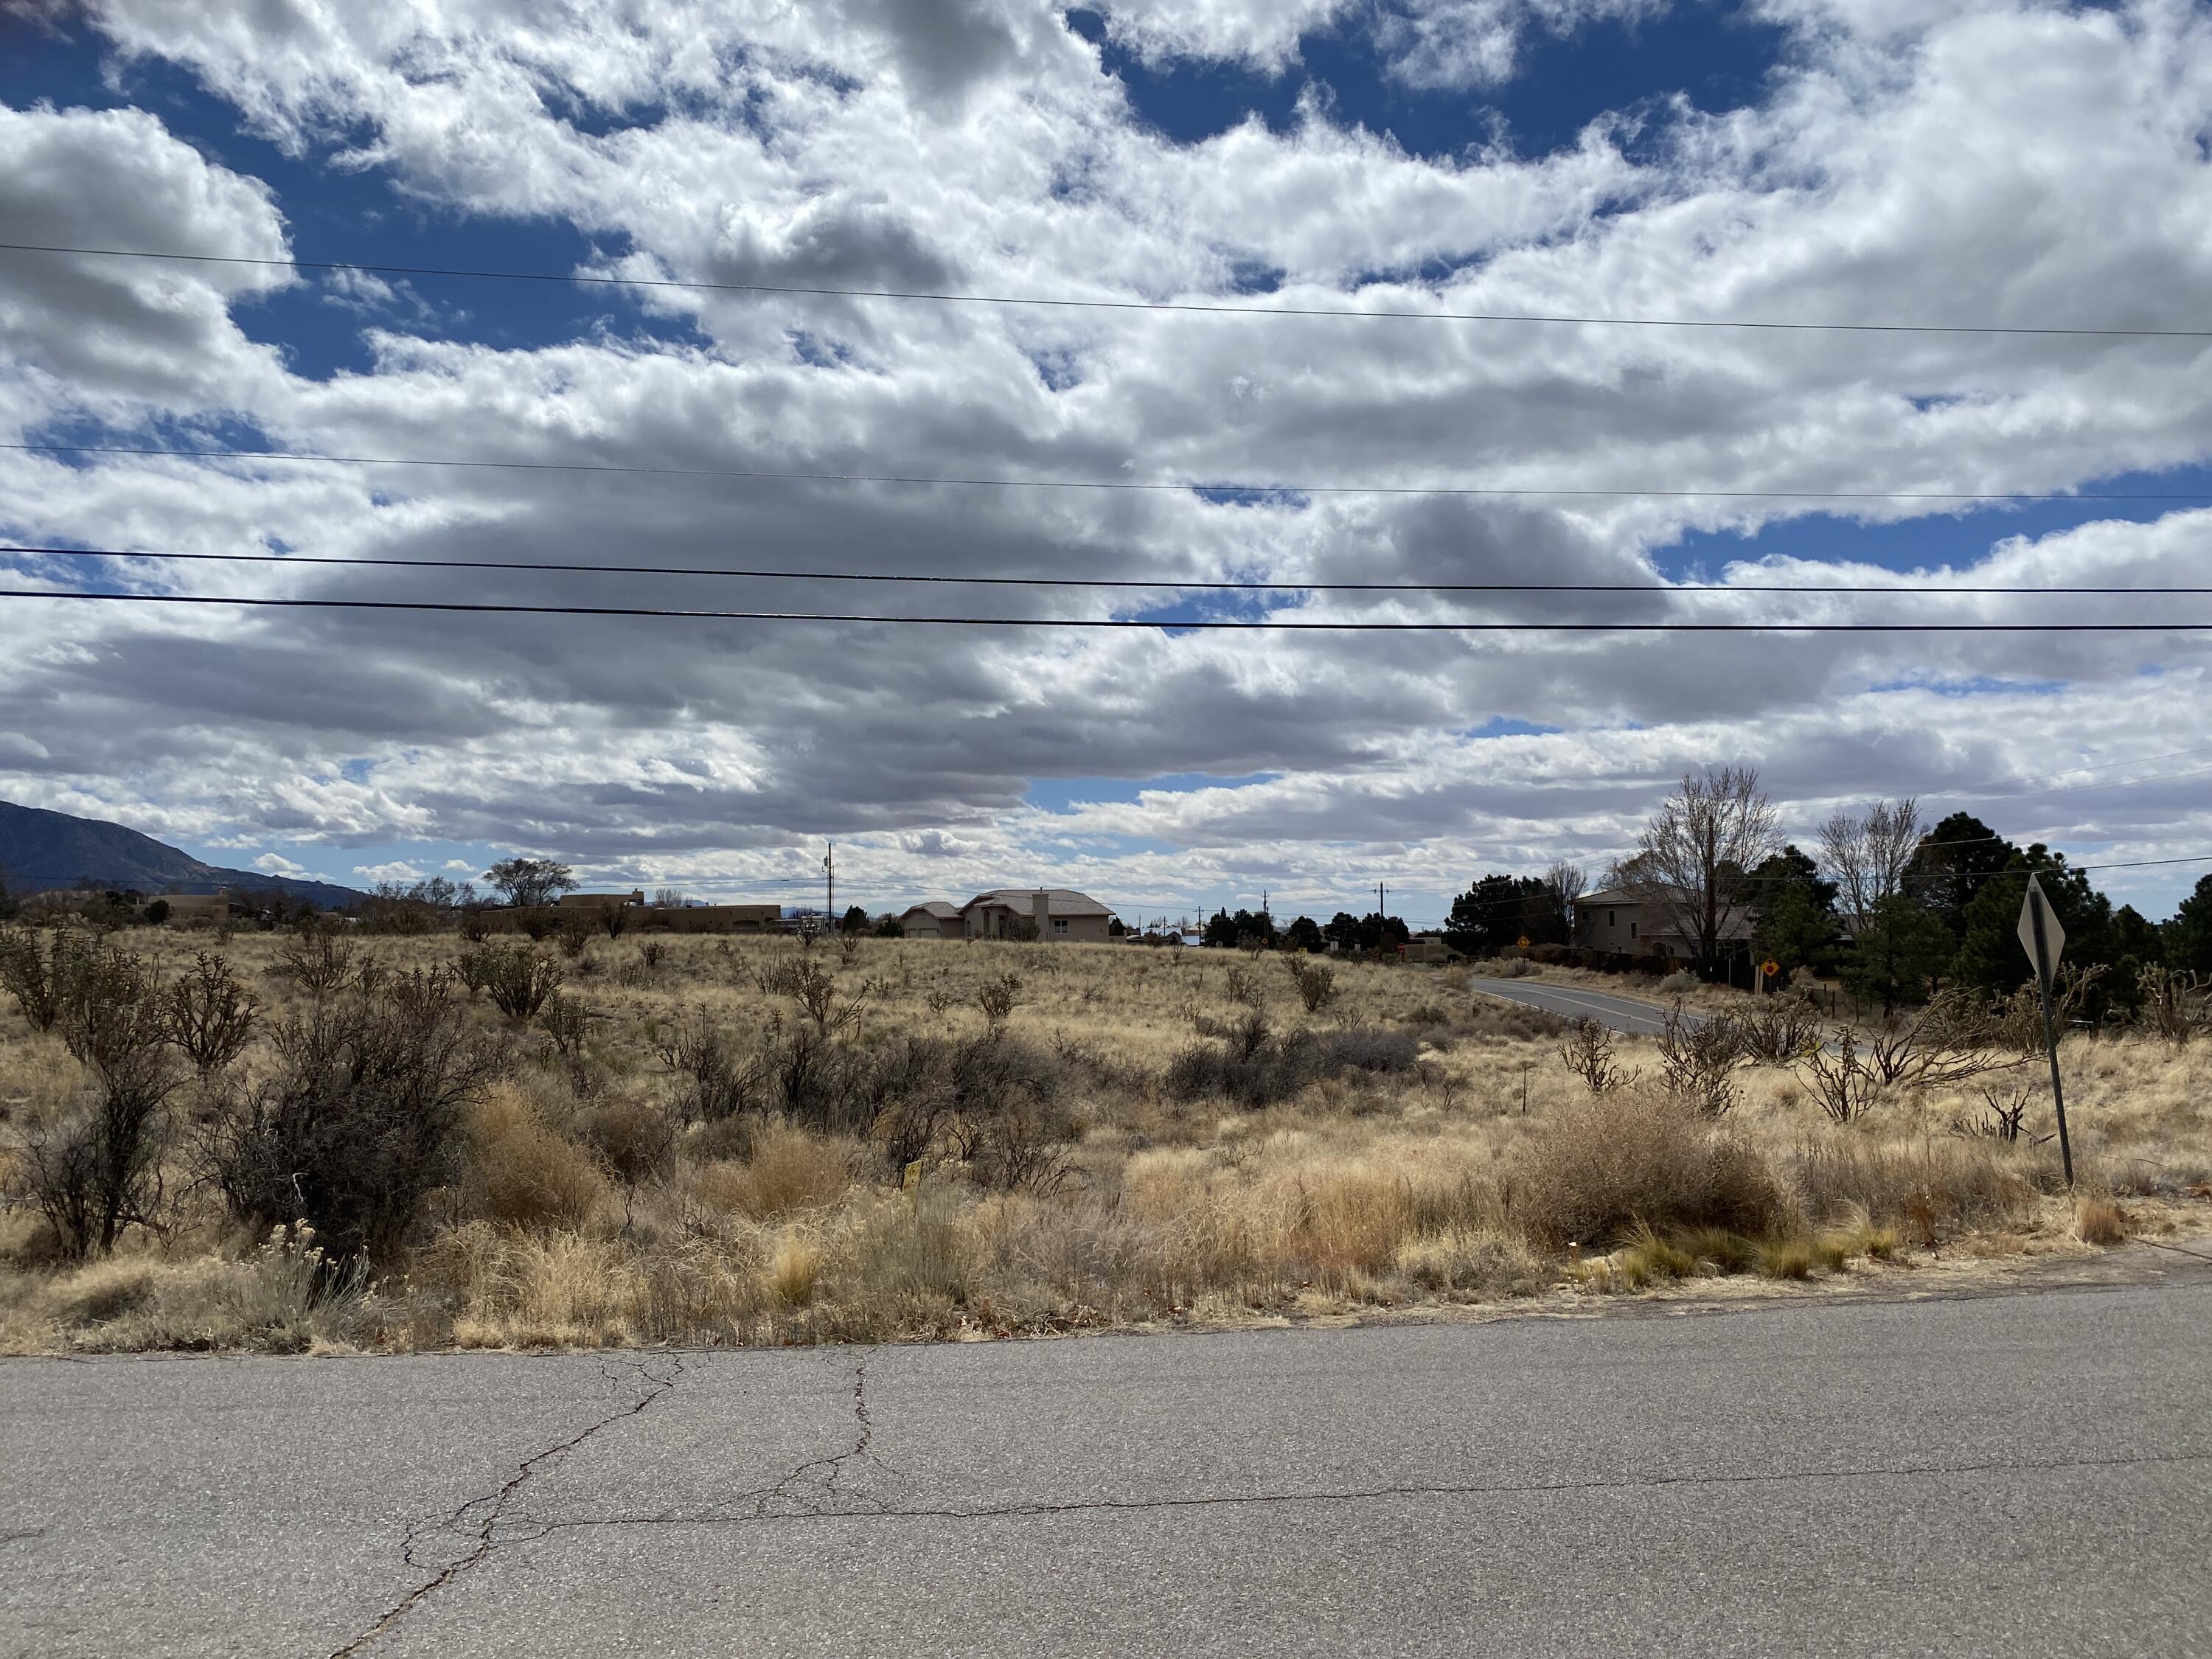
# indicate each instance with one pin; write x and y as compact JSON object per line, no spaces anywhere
{"x":938,"y":1167}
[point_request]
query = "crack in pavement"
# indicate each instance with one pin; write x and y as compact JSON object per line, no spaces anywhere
{"x":1079,"y":1506}
{"x":815,"y":1489}
{"x":480,"y":1533}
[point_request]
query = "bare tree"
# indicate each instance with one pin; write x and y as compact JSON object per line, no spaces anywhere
{"x":1867,"y":853}
{"x":1563,"y":887}
{"x":1696,"y":851}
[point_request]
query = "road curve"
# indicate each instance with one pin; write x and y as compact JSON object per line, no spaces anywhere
{"x":2016,"y":1476}
{"x":1624,"y":1014}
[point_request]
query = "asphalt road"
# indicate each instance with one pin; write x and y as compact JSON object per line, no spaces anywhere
{"x":1618,"y":1013}
{"x":2016,"y":1476}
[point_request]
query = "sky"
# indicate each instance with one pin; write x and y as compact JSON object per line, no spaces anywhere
{"x":1999,"y":166}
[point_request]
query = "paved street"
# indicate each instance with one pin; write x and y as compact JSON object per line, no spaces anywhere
{"x":1624,"y":1014}
{"x":2016,"y":1476}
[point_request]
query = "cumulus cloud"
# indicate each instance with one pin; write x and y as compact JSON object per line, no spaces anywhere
{"x":276,"y":864}
{"x":397,"y":870}
{"x":2004,"y":164}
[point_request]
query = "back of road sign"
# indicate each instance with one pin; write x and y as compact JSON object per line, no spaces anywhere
{"x":2040,"y":935}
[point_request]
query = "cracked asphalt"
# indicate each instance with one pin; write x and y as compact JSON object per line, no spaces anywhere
{"x":2022,"y":1474}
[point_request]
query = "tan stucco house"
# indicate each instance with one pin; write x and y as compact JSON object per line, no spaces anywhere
{"x":1055,"y":913}
{"x":935,"y":919}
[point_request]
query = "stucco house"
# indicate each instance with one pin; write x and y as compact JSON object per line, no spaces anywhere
{"x":1629,"y":923}
{"x":934,"y":920}
{"x":1043,"y":913}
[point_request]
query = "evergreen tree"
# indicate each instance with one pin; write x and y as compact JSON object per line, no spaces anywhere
{"x":1897,"y":954}
{"x":1989,"y":958}
{"x":1494,"y":914}
{"x":1954,"y":860}
{"x":1305,"y":934}
{"x":2188,"y":937}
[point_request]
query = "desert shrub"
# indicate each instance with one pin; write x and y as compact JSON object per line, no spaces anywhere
{"x":355,"y":1121}
{"x":283,"y":1298}
{"x":722,"y":1077}
{"x":2098,"y":1220}
{"x":634,"y":1139}
{"x":917,"y":1251}
{"x":1698,"y":1058}
{"x":1679,"y":983}
{"x":2176,"y":1006}
{"x":1370,"y":1049}
{"x":652,"y":954}
{"x":1778,"y":1030}
{"x":992,"y":1101}
{"x":37,"y":979}
{"x":518,"y":980}
{"x":521,"y":1173}
{"x":97,"y":1168}
{"x":1315,"y":982}
{"x":210,"y":1015}
{"x":322,"y":963}
{"x":1588,"y":1052}
{"x":997,"y":998}
{"x":572,"y":929}
{"x":1515,"y":968}
{"x":789,"y":1171}
{"x":1255,"y":1069}
{"x":1596,"y":1169}
{"x":1932,"y":1189}
{"x":1475,"y":1262}
{"x":567,"y":1023}
{"x":815,"y":988}
{"x":1838,"y":1076}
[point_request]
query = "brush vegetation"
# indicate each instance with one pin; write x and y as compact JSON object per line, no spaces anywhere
{"x":297,"y":1142}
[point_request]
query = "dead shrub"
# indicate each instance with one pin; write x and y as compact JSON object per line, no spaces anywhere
{"x":2098,"y":1220}
{"x":723,"y":1078}
{"x":521,"y":1173}
{"x":1698,"y":1058}
{"x":634,"y":1139}
{"x":1933,"y":1189}
{"x":1593,"y":1171}
{"x":789,"y":1171}
{"x":322,"y":963}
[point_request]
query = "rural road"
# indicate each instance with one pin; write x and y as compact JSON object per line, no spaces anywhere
{"x":2016,"y":1475}
{"x":1623,"y":1014}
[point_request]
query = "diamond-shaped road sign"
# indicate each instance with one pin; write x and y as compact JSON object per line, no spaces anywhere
{"x":2040,"y":935}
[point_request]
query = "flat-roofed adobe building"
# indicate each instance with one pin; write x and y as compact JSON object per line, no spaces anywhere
{"x":1042,"y":913}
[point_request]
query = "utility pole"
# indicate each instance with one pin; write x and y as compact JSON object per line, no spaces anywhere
{"x":830,"y":876}
{"x":1380,"y":912}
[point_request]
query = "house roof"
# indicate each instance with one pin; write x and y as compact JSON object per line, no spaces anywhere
{"x":937,"y":908}
{"x":1060,"y":902}
{"x":1736,"y":921}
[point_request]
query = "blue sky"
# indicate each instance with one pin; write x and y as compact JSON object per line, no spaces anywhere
{"x":1815,"y":160}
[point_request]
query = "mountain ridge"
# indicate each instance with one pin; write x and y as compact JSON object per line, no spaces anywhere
{"x":40,"y":848}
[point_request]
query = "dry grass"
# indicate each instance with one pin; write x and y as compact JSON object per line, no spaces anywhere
{"x":1425,"y":1148}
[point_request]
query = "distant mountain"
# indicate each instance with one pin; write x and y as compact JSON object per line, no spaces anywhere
{"x":40,"y":850}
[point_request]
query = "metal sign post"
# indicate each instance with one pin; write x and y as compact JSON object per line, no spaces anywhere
{"x":2043,"y":939}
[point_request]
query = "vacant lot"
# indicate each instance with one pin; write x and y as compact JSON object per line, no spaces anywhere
{"x":692,"y":1140}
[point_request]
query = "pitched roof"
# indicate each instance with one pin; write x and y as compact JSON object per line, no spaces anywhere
{"x":937,"y":908}
{"x":1060,"y":901}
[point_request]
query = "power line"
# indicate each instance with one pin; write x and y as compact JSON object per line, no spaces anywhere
{"x":774,"y":475}
{"x":481,"y":607}
{"x":368,"y":561}
{"x":1209,"y":308}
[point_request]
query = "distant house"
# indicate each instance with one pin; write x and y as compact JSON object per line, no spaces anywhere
{"x":1042,"y":913}
{"x":198,"y":909}
{"x":577,"y":901}
{"x":934,"y":920}
{"x":1627,"y":922}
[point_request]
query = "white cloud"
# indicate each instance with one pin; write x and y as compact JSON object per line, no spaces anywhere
{"x":275,"y":864}
{"x":1999,"y":163}
{"x":397,"y":871}
{"x":460,"y":866}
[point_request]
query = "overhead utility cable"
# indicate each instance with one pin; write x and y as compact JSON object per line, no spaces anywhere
{"x":1207,"y":306}
{"x":1159,"y":486}
{"x":1206,"y":625}
{"x":1161,"y":585}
